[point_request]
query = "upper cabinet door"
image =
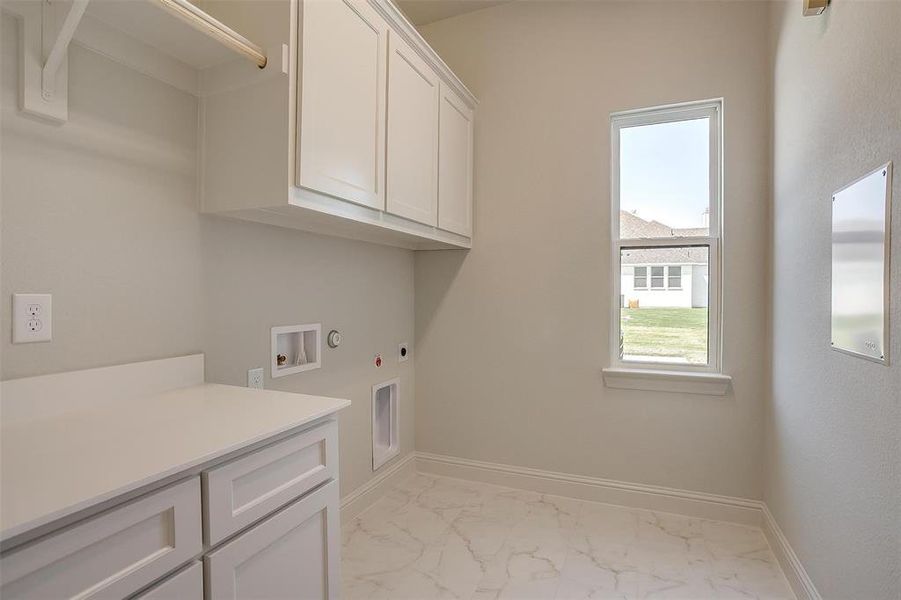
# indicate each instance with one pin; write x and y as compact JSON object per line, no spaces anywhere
{"x":454,"y":164}
{"x":413,"y":90}
{"x":342,"y":101}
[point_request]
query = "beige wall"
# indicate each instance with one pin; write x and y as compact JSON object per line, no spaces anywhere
{"x":512,"y":336}
{"x":256,"y":276}
{"x":834,"y":424}
{"x":101,"y":212}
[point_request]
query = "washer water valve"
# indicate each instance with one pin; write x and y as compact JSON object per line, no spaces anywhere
{"x":333,"y":338}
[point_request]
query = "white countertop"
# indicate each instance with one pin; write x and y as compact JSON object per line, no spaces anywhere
{"x":54,"y":466}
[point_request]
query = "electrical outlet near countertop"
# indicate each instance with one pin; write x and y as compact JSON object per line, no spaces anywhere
{"x":255,"y":378}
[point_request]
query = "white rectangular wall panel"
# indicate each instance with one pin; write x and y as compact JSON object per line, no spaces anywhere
{"x":861,"y":250}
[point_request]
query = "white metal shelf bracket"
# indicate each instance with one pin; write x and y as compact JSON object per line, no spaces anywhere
{"x":60,"y":38}
{"x":45,"y":30}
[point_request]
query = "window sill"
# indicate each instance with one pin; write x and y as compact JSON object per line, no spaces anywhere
{"x":707,"y":384}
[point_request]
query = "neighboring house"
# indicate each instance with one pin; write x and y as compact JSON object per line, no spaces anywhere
{"x":662,"y":277}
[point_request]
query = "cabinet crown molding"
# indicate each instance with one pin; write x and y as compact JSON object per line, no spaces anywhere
{"x":403,"y":27}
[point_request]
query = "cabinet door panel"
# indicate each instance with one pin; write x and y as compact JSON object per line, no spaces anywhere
{"x":293,"y":554}
{"x":455,"y":164}
{"x":412,"y":157}
{"x":342,"y":101}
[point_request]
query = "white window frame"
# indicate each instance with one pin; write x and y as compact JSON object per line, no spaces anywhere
{"x":712,"y":109}
{"x":681,"y":275}
{"x":647,"y":278}
{"x":652,"y":277}
{"x":666,"y":285}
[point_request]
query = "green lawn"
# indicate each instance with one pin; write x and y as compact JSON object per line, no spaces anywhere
{"x":666,"y":332}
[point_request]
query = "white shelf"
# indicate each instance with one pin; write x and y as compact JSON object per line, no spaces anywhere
{"x":148,"y":22}
{"x":171,"y":40}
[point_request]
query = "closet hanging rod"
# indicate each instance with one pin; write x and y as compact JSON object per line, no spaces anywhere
{"x":201,"y":21}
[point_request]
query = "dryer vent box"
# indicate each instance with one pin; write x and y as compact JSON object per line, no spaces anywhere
{"x":385,"y":443}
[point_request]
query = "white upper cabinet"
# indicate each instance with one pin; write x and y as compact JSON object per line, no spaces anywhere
{"x":455,"y":164}
{"x":412,"y":160}
{"x":354,"y":128}
{"x":342,"y":101}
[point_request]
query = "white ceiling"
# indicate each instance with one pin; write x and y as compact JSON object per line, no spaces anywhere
{"x":423,"y":12}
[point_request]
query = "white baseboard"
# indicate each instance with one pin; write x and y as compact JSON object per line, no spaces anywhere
{"x":367,"y":494}
{"x":694,"y":504}
{"x":791,"y":565}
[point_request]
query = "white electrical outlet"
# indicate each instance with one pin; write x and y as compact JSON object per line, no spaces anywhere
{"x":403,"y":352}
{"x":255,"y":378}
{"x":32,"y":318}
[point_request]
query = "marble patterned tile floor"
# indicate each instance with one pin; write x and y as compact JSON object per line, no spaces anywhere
{"x":435,"y":537}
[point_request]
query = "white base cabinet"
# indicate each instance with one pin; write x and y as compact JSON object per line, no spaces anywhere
{"x":112,"y":555}
{"x":272,"y":530}
{"x":292,"y":554}
{"x":245,"y":490}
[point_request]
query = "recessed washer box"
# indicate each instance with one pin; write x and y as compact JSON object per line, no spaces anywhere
{"x":296,"y":348}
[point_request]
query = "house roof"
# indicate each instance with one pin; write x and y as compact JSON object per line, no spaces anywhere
{"x":690,"y":231}
{"x":634,"y":227}
{"x":665,"y":256}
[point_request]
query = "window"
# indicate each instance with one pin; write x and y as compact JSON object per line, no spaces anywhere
{"x":666,"y":202}
{"x":675,"y":278}
{"x":657,"y":277}
{"x":640,"y":278}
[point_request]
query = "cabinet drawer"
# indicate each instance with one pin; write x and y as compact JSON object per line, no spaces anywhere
{"x":184,"y":585}
{"x":295,"y":553}
{"x":248,"y":488}
{"x":113,"y":554}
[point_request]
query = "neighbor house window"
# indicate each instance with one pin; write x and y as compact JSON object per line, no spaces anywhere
{"x":640,"y":279}
{"x":667,"y":204}
{"x":675,"y":278}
